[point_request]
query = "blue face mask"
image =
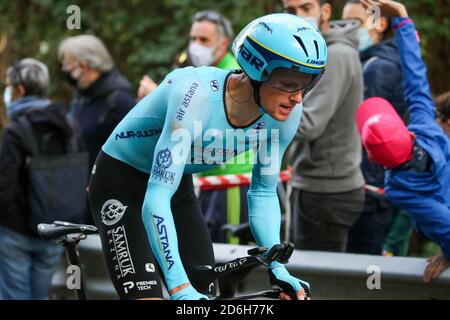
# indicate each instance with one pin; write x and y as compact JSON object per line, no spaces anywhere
{"x":365,"y":41}
{"x":7,"y":97}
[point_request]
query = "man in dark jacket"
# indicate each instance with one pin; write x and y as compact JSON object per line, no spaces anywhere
{"x":26,"y":262}
{"x":103,"y":97}
{"x":382,"y":78}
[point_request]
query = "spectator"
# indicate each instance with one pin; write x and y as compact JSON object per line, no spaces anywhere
{"x":103,"y":97}
{"x":417,"y":178}
{"x":382,"y":78}
{"x":443,"y":112}
{"x":26,"y":262}
{"x":210,"y":39}
{"x":328,"y":193}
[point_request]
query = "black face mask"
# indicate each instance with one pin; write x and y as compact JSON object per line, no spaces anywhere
{"x":68,"y":77}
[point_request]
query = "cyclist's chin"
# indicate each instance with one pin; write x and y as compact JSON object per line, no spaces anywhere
{"x":281,"y":113}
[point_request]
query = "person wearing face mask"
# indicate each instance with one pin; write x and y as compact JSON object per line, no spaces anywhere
{"x":328,"y":194}
{"x":382,"y":78}
{"x":103,"y":95}
{"x":26,"y":262}
{"x":210,"y":37}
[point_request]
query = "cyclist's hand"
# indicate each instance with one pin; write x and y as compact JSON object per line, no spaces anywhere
{"x":188,"y":293}
{"x":291,"y":286}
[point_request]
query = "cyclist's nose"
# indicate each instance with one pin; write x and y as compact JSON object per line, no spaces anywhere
{"x":297,"y":97}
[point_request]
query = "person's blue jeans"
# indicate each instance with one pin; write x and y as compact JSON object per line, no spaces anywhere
{"x":26,"y":266}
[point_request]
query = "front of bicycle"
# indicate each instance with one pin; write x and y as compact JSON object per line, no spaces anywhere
{"x":230,"y":275}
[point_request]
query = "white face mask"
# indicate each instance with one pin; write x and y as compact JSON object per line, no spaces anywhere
{"x":201,"y":55}
{"x":7,"y":97}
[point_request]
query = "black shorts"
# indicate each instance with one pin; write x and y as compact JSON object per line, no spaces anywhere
{"x":116,"y":195}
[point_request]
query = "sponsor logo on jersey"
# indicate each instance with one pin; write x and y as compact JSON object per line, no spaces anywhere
{"x":145,"y":285}
{"x":186,"y":101}
{"x":139,"y":285}
{"x":112,"y":211}
{"x":150,"y":267}
{"x":128,"y":286}
{"x":259,"y":126}
{"x":164,"y":240}
{"x":214,"y":85}
{"x":164,"y":158}
{"x":138,"y":134}
{"x":163,"y":162}
{"x":118,"y":246}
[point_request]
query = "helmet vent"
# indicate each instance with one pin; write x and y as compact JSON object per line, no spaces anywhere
{"x":299,"y":40}
{"x":317,"y":49}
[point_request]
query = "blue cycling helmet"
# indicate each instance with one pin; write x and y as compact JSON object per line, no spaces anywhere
{"x":280,"y":40}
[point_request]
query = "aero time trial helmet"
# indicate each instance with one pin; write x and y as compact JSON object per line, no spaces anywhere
{"x":280,"y":40}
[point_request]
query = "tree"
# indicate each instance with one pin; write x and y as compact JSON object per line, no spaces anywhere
{"x":144,"y":36}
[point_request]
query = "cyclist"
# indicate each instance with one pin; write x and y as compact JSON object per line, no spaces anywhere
{"x":141,"y":186}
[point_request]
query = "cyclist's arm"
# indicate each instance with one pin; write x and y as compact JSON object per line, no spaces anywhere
{"x":167,"y":170}
{"x":264,"y":208}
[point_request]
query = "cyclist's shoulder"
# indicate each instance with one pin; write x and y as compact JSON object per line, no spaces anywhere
{"x":201,"y":86}
{"x":204,"y":76}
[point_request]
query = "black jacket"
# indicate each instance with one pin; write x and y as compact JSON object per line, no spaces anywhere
{"x":14,"y":211}
{"x":98,"y":109}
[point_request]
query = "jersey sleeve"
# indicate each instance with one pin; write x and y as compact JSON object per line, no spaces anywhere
{"x":187,"y":108}
{"x":429,"y":216}
{"x":416,"y":87}
{"x":263,"y":204}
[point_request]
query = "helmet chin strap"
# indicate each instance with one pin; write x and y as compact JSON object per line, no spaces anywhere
{"x":256,"y":87}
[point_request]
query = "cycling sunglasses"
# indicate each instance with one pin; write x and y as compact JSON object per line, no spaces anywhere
{"x":289,"y":81}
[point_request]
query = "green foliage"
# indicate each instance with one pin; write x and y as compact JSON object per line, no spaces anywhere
{"x":144,"y":36}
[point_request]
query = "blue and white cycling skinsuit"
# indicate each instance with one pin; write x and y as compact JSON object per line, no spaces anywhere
{"x":180,"y":128}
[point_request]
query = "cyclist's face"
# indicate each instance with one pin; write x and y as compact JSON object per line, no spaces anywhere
{"x":282,"y":92}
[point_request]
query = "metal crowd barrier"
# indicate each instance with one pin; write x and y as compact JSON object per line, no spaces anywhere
{"x":332,"y":275}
